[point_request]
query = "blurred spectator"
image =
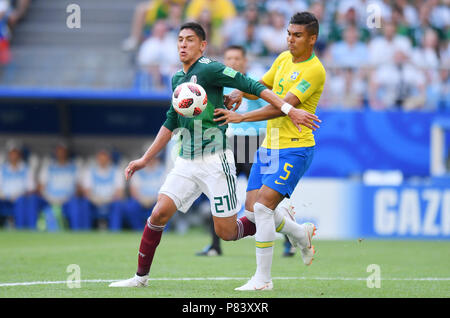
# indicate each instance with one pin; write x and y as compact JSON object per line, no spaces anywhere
{"x":383,"y":48}
{"x":349,"y":12}
{"x":59,"y":183}
{"x":17,"y":185}
{"x":175,"y":17}
{"x":440,"y":16}
{"x":394,"y":81}
{"x":5,"y":54}
{"x":103,"y":184}
{"x":348,"y":53}
{"x":317,"y":8}
{"x":241,"y":5}
{"x":344,"y":89}
{"x":11,"y":12}
{"x":145,"y":16}
{"x":18,"y":11}
{"x":287,"y":7}
{"x":408,"y":12}
{"x":244,"y":30}
{"x":399,"y":84}
{"x":212,"y":15}
{"x":144,"y":187}
{"x":345,"y":84}
{"x":426,"y":58}
{"x":157,"y":58}
{"x":274,"y":34}
{"x":221,"y":10}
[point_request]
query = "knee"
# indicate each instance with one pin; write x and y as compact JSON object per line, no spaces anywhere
{"x":159,"y":217}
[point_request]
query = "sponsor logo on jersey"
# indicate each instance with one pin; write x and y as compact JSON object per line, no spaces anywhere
{"x":303,"y":86}
{"x":228,"y":71}
{"x":294,"y":76}
{"x":193,"y":79}
{"x":204,"y":60}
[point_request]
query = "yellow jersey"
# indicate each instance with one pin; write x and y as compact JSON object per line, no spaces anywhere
{"x":306,"y":81}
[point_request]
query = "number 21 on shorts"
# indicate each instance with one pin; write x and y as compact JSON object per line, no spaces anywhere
{"x":220,"y":201}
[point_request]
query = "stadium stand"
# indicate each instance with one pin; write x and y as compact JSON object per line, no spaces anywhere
{"x":48,"y":54}
{"x":383,"y":84}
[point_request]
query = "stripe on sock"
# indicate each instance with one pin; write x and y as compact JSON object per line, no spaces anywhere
{"x":240,"y":229}
{"x":280,"y":227}
{"x":155,"y":227}
{"x":264,"y":244}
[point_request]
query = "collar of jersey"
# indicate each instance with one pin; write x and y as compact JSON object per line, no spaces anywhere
{"x":190,"y":68}
{"x":309,"y":59}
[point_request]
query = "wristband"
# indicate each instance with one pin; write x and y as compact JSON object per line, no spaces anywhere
{"x":286,"y":108}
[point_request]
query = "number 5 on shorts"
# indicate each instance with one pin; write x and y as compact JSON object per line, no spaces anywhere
{"x":286,"y":166}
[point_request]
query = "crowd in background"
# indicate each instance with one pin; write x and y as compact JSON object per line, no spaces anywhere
{"x":66,"y":192}
{"x":11,"y":12}
{"x":379,"y":54}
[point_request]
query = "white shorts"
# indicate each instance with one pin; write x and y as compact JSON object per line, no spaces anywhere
{"x":215,"y":176}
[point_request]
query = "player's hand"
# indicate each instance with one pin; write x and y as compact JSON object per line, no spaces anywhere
{"x":227,"y":115}
{"x":234,"y":98}
{"x":302,"y":117}
{"x":134,"y":166}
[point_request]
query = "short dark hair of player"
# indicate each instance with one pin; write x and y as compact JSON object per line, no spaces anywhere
{"x":308,"y":20}
{"x":197,"y":28}
{"x":237,"y":47}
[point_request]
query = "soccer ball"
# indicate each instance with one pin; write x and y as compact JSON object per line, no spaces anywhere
{"x":189,"y":99}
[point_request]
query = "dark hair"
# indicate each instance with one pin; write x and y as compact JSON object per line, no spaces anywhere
{"x":308,"y":20}
{"x":237,"y":47}
{"x":197,"y":28}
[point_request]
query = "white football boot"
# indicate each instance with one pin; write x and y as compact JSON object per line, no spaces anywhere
{"x":255,"y":284}
{"x":307,"y":250}
{"x":136,"y":281}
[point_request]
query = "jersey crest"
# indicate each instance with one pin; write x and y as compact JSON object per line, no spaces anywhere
{"x":204,"y":60}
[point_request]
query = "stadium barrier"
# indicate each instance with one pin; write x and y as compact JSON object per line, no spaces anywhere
{"x":344,"y":209}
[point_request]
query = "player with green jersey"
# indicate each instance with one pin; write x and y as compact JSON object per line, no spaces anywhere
{"x":205,"y":164}
{"x":213,"y":77}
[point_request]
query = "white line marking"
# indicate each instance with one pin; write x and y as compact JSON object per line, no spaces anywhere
{"x":223,"y":278}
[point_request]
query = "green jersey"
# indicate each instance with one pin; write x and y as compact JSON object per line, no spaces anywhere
{"x":201,"y":135}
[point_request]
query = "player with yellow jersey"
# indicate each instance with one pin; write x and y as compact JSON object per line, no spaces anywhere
{"x":298,"y":77}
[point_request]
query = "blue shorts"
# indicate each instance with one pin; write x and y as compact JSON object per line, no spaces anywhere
{"x":279,"y":169}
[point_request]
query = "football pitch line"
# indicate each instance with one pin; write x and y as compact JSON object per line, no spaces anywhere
{"x":221,"y":278}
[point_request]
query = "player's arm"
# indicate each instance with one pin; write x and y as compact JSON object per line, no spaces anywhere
{"x":235,"y":97}
{"x":229,"y":78}
{"x":162,"y":139}
{"x":267,"y":112}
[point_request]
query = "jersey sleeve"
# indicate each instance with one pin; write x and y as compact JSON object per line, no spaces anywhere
{"x":312,"y":80}
{"x":225,"y":76}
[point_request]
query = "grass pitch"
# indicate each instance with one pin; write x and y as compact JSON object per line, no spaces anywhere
{"x":407,"y":268}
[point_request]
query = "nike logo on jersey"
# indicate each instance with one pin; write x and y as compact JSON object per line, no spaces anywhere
{"x":280,"y":183}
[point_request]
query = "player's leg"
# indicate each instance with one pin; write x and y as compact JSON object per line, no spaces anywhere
{"x":177,"y":193}
{"x":266,"y":201}
{"x":219,"y":185}
{"x":294,"y":163}
{"x":164,"y":209}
